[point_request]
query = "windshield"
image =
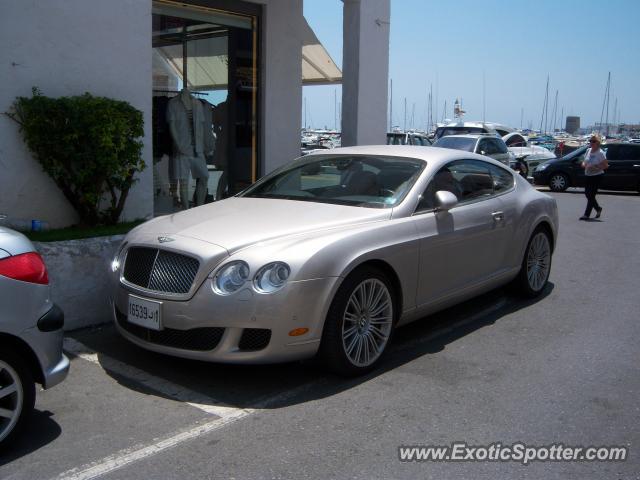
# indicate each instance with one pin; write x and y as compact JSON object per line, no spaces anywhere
{"x":458,"y":143}
{"x":359,"y":180}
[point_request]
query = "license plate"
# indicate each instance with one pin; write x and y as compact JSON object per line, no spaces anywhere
{"x":144,"y":313}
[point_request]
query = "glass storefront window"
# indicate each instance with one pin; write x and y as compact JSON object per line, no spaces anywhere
{"x":205,"y":87}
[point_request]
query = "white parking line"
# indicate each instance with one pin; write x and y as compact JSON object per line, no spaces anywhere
{"x":226,"y":414}
{"x":140,"y":452}
{"x":160,"y":385}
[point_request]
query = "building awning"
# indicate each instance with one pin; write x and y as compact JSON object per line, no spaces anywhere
{"x":318,"y":68}
{"x":208,"y":61}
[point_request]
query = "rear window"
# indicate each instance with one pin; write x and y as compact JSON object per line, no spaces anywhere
{"x":445,"y":131}
{"x":516,"y":141}
{"x":457,"y":143}
{"x":396,"y":138}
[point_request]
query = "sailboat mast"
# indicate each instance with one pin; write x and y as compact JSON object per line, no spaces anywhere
{"x":605,"y":103}
{"x":413,"y":115}
{"x":555,"y":113}
{"x":484,"y":99}
{"x":546,"y":108}
{"x":405,"y":114}
{"x":608,"y":95}
{"x":544,"y":105}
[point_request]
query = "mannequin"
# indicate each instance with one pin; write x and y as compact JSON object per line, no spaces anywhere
{"x":186,"y":119}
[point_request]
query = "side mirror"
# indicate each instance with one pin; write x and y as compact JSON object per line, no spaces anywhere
{"x":445,"y":201}
{"x":482,"y":152}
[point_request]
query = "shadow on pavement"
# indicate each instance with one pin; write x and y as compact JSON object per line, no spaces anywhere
{"x":41,"y":430}
{"x":281,"y":385}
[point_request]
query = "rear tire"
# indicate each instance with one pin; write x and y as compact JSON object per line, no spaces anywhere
{"x":536,"y":265}
{"x":359,"y":324}
{"x":17,"y":395}
{"x":558,"y":182}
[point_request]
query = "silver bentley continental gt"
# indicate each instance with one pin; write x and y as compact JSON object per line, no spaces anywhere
{"x":327,"y":255}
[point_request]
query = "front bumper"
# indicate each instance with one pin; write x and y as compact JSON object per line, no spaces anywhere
{"x":300,"y":304}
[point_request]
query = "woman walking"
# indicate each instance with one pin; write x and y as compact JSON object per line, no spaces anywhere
{"x":594,"y":164}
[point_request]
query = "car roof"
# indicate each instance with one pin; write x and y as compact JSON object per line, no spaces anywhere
{"x":434,"y":156}
{"x":474,"y":136}
{"x":513,"y":134}
{"x":487,"y":125}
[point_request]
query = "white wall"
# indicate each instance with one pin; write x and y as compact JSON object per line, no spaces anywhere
{"x":365,"y":72}
{"x":281,"y":63}
{"x":68,"y":47}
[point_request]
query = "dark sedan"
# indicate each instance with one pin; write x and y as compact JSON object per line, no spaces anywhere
{"x":623,"y":172}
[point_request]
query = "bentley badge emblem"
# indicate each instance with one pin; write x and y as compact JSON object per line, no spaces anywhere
{"x":165,"y":239}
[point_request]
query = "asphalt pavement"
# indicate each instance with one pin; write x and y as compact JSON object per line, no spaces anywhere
{"x":562,"y":369}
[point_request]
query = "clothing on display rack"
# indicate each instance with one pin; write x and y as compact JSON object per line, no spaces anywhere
{"x":186,"y":119}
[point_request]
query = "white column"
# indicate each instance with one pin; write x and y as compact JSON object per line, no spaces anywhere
{"x":282,"y":86}
{"x":365,"y":71}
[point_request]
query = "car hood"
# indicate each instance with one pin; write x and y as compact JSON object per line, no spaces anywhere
{"x":239,"y":222}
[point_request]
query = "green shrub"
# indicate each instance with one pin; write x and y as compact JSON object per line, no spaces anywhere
{"x":89,"y":145}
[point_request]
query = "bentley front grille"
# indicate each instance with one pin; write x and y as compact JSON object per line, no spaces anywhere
{"x":160,"y":270}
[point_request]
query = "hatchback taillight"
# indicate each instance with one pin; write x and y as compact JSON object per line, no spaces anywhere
{"x":27,"y":267}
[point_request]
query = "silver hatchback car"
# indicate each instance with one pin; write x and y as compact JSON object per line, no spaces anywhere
{"x":30,"y":332}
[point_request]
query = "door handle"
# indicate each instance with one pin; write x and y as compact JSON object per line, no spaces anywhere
{"x":498,"y":216}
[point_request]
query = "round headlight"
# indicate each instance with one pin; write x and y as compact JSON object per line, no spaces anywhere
{"x":271,"y":277}
{"x":230,"y":278}
{"x":116,"y":263}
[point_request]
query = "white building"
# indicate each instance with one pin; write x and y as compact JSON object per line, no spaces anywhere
{"x":252,"y":55}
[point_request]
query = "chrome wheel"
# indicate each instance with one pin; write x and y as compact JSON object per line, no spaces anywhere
{"x":367,"y":322}
{"x":11,"y":399}
{"x":558,"y":182}
{"x":538,"y":261}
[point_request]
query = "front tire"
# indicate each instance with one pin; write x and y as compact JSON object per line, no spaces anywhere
{"x":17,"y":396}
{"x":359,"y":324}
{"x":558,"y":182}
{"x":536,"y":265}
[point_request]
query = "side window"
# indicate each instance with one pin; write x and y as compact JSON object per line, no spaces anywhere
{"x":483,"y":146}
{"x":629,"y":152}
{"x":490,"y":147}
{"x":502,"y":179}
{"x":500,"y":146}
{"x":468,"y":180}
{"x":473,"y":179}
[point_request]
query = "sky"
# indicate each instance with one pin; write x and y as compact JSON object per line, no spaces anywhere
{"x":451,"y":45}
